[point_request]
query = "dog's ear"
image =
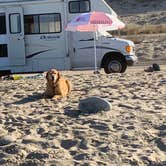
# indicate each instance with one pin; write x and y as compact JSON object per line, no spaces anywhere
{"x":47,"y":77}
{"x":58,"y":76}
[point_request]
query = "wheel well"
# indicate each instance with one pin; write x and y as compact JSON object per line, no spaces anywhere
{"x":4,"y":72}
{"x":112,"y":55}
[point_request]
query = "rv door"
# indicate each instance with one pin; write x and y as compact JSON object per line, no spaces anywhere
{"x":15,"y":32}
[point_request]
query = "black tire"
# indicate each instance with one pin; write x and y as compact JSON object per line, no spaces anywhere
{"x":156,"y":67}
{"x":115,"y":65}
{"x":124,"y":67}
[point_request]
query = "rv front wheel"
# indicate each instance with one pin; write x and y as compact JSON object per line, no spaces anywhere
{"x":115,"y":65}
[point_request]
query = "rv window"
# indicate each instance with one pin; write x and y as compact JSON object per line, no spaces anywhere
{"x":74,"y":7}
{"x":3,"y":50}
{"x":50,"y":23}
{"x":31,"y":24}
{"x":84,"y":6}
{"x":44,"y":23}
{"x":79,"y":6}
{"x":15,"y":23}
{"x":3,"y":24}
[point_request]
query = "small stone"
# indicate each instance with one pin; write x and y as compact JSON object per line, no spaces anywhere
{"x":6,"y":140}
{"x":124,"y":136}
{"x":94,"y":105}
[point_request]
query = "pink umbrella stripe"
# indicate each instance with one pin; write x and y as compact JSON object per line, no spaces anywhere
{"x":87,"y":28}
{"x":99,"y":18}
{"x":100,"y":22}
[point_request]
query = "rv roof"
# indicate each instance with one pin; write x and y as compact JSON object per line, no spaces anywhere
{"x":10,"y":1}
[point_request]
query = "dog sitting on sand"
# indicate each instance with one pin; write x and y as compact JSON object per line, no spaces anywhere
{"x":57,"y":86}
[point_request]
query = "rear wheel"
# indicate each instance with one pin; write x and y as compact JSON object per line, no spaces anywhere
{"x":115,"y":65}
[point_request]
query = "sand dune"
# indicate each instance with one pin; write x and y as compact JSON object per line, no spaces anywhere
{"x":151,"y":48}
{"x":125,"y":7}
{"x":37,"y":131}
{"x":154,"y":18}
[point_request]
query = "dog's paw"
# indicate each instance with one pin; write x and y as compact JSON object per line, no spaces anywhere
{"x":57,"y":97}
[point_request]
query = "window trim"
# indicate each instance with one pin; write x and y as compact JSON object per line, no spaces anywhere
{"x":39,"y":23}
{"x":79,"y":7}
{"x":10,"y":23}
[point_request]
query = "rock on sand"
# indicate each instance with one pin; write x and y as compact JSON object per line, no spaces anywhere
{"x":94,"y":105}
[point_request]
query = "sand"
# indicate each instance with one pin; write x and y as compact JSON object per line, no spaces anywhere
{"x":38,"y":131}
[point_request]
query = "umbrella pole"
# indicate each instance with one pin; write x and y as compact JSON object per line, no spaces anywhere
{"x":95,"y":53}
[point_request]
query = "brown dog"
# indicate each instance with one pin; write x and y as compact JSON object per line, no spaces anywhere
{"x":57,"y":86}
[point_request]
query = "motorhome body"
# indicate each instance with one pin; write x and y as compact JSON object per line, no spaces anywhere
{"x":33,"y":38}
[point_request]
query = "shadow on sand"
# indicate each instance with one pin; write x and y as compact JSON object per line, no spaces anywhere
{"x":29,"y":99}
{"x":70,"y":112}
{"x":75,"y":113}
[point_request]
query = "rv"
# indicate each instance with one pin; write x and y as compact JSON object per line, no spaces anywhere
{"x":33,"y":38}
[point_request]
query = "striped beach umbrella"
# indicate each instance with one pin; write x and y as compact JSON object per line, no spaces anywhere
{"x":94,"y":22}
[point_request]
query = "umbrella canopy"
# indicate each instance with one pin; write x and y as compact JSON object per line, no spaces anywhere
{"x":95,"y":21}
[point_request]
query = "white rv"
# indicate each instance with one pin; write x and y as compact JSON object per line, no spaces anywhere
{"x":33,"y":38}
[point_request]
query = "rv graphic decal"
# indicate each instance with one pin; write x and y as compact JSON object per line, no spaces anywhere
{"x":101,"y":47}
{"x":87,"y":39}
{"x":36,"y":53}
{"x":50,"y":37}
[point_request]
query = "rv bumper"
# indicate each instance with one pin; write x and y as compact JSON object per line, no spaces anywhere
{"x":131,"y":59}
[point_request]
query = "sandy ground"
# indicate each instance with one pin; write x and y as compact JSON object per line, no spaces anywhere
{"x":37,"y":131}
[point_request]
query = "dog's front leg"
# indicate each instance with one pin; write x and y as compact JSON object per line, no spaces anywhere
{"x":49,"y":93}
{"x":56,"y":97}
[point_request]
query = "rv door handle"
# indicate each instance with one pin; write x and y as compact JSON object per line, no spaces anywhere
{"x":74,"y":50}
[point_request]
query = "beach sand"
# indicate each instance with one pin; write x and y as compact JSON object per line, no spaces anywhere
{"x":38,"y":131}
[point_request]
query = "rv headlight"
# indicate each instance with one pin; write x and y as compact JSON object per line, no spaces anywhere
{"x":129,"y":49}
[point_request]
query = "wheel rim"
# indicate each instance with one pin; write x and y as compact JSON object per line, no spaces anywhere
{"x":115,"y":66}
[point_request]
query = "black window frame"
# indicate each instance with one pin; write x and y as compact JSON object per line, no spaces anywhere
{"x":4,"y":50}
{"x":4,"y":24}
{"x":79,"y":6}
{"x":39,"y":23}
{"x":10,"y":23}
